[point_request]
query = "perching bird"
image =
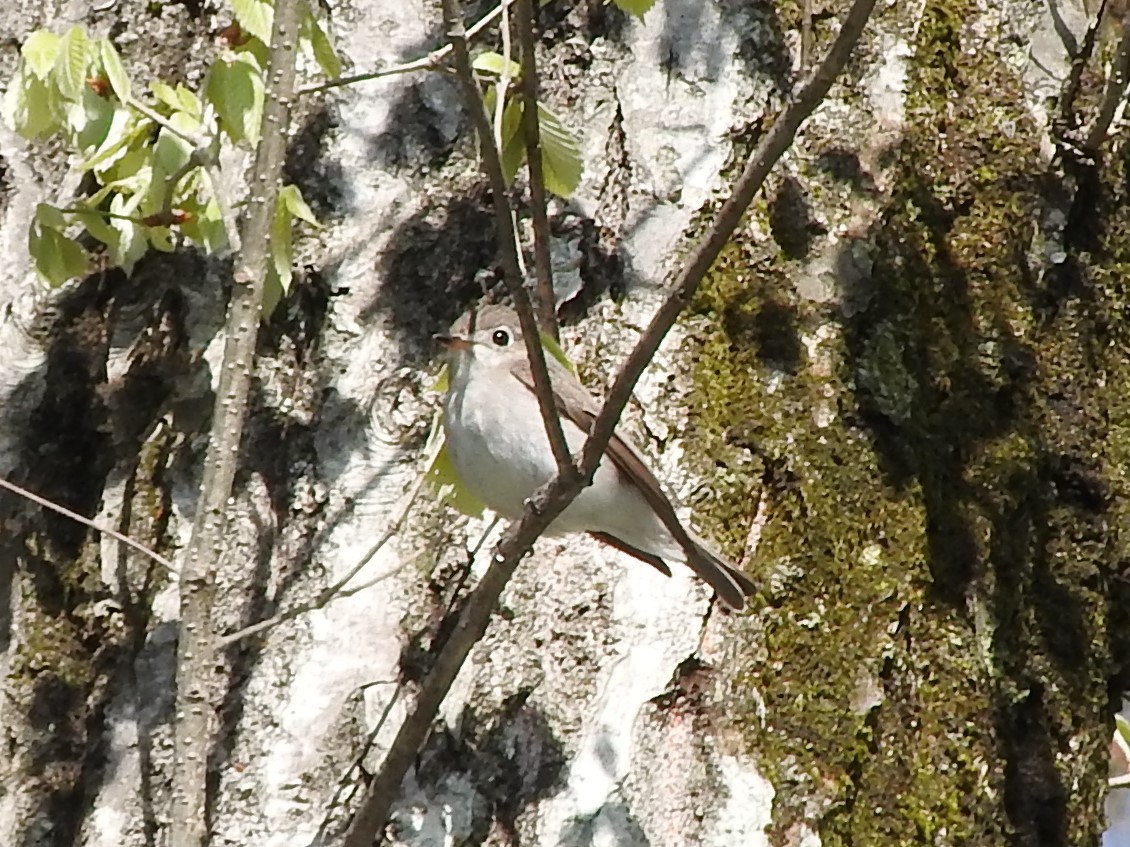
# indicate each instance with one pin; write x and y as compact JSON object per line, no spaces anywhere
{"x":499,"y":447}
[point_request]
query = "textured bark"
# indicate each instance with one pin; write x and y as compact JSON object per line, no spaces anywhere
{"x":900,"y":396}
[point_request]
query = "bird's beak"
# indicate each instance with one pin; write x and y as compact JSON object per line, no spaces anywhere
{"x":452,"y":342}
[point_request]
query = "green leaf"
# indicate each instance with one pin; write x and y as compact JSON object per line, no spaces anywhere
{"x":282,"y":252}
{"x":513,"y":152}
{"x":320,"y":45}
{"x":31,"y":107}
{"x":132,"y":242}
{"x":166,"y":94}
{"x":190,"y":104}
{"x":170,"y":151}
{"x":51,"y":216}
{"x":98,"y":226}
{"x":40,"y":50}
{"x":440,"y":472}
{"x":1122,"y":727}
{"x":72,"y":63}
{"x":635,"y":7}
{"x":204,"y":226}
{"x":560,"y":154}
{"x":493,"y":64}
{"x":123,"y":130}
{"x":115,"y":70}
{"x":92,"y":120}
{"x":57,"y":258}
{"x":235,"y":88}
{"x":254,"y":17}
{"x":292,"y":200}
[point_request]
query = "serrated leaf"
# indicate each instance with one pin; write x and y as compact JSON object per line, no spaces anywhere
{"x":235,"y":88}
{"x":72,"y":63}
{"x":562,"y":165}
{"x":321,"y":48}
{"x":635,"y":7}
{"x":115,"y":70}
{"x":493,"y":64}
{"x":57,"y":258}
{"x":254,"y":17}
{"x":290,"y":196}
{"x":40,"y":51}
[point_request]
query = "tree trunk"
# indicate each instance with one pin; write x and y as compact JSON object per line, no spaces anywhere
{"x":899,"y":399}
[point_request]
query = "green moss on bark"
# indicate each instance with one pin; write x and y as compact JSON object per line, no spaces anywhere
{"x":939,"y":471}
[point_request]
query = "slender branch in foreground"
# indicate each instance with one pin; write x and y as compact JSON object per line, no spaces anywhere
{"x":428,"y":63}
{"x":1115,"y":90}
{"x":546,"y":300}
{"x":77,"y":518}
{"x":338,"y":590}
{"x":195,"y":709}
{"x":771,"y":147}
{"x":551,"y":499}
{"x":504,"y":231}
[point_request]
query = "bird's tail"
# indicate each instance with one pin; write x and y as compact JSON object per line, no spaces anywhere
{"x":731,"y":584}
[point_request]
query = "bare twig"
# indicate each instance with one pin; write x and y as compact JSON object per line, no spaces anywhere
{"x":507,"y":244}
{"x":337,"y":590}
{"x":552,"y":498}
{"x":1115,"y":91}
{"x":195,"y":647}
{"x":428,"y":63}
{"x":197,"y":142}
{"x":74,"y":516}
{"x":546,"y":300}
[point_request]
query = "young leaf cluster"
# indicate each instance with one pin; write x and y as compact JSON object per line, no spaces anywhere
{"x":151,"y":155}
{"x":560,"y":151}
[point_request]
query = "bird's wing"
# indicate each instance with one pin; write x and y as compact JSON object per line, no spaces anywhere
{"x":575,"y":402}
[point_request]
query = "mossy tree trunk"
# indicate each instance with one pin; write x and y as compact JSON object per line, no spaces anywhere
{"x":902,"y":392}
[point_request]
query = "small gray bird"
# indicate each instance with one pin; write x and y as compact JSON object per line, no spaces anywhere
{"x":497,"y":442}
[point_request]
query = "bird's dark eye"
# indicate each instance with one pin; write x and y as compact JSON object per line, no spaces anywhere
{"x":501,"y":338}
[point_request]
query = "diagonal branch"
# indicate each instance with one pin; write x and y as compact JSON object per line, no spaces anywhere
{"x":547,"y":302}
{"x":551,"y":499}
{"x":195,"y":646}
{"x":74,"y":516}
{"x":771,"y":147}
{"x":504,"y":231}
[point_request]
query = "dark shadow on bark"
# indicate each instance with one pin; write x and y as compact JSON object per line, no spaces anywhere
{"x":511,"y":756}
{"x":997,"y":443}
{"x":83,"y":427}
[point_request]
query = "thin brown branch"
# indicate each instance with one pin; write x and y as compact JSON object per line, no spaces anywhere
{"x":430,"y":62}
{"x":1115,"y":90}
{"x":195,"y":708}
{"x":551,"y":499}
{"x":504,"y":231}
{"x":77,"y":518}
{"x":338,"y":589}
{"x":768,"y":151}
{"x":546,"y":301}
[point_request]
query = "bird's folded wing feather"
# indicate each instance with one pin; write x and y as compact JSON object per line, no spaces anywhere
{"x":575,"y":402}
